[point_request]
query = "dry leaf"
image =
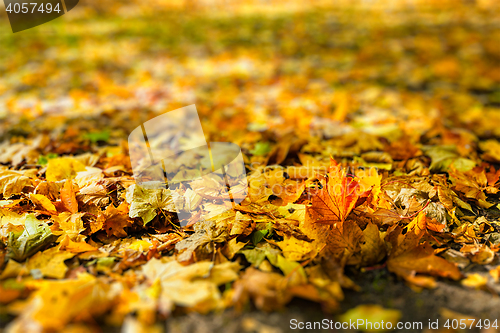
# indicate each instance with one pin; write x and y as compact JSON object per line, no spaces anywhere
{"x":63,"y":168}
{"x":337,"y":199}
{"x":408,"y":256}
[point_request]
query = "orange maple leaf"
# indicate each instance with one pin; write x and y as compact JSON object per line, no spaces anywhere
{"x":113,"y":220}
{"x":68,"y":196}
{"x":337,"y":198}
{"x":475,"y":183}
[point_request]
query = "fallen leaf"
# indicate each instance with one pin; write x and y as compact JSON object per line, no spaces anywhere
{"x":49,"y":263}
{"x":478,"y":253}
{"x":344,"y":240}
{"x":63,"y":168}
{"x":408,"y":256}
{"x":95,"y":193}
{"x":334,"y":202}
{"x":56,"y":303}
{"x":475,"y":280}
{"x":115,"y":220}
{"x":202,"y":243}
{"x":194,"y":286}
{"x":268,"y":291}
{"x":35,"y":236}
{"x":68,"y":196}
{"x":12,"y":183}
{"x":75,"y":247}
{"x":43,"y":203}
{"x":372,"y":248}
{"x":146,"y":203}
{"x":369,"y":314}
{"x":495,"y":274}
{"x":474,"y":184}
{"x":71,"y":225}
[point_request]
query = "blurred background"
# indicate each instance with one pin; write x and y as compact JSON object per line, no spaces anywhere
{"x":257,"y":70}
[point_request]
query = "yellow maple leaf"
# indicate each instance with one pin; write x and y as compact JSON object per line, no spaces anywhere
{"x":43,"y":202}
{"x":56,"y":303}
{"x":50,"y":263}
{"x":296,"y":249}
{"x":63,"y":168}
{"x":75,"y":247}
{"x":71,"y":225}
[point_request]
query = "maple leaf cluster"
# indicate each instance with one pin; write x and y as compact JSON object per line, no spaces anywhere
{"x":367,"y":148}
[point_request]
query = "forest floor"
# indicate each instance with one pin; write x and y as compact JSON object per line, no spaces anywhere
{"x":371,"y":147}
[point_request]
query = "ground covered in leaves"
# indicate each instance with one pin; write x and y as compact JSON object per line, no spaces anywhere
{"x":370,"y":140}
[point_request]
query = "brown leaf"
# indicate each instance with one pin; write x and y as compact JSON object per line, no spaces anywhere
{"x":96,"y":194}
{"x":372,"y":248}
{"x":267,"y":290}
{"x":408,"y":257}
{"x":49,"y":189}
{"x":344,"y":240}
{"x":283,"y":227}
{"x":474,"y":184}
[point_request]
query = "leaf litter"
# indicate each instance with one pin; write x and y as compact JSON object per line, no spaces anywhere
{"x":348,"y":169}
